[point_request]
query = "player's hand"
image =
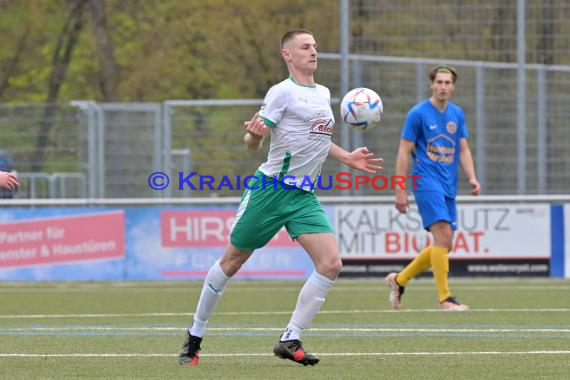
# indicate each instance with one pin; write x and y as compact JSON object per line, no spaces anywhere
{"x":402,"y":201}
{"x":363,"y":160}
{"x":256,"y":127}
{"x":475,"y":187}
{"x":8,"y":181}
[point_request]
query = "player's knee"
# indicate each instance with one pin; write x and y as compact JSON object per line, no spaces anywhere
{"x":330,"y":268}
{"x":336,"y":266}
{"x":444,"y":239}
{"x":232,"y":260}
{"x":447,"y":241}
{"x":229,"y":266}
{"x":444,"y":244}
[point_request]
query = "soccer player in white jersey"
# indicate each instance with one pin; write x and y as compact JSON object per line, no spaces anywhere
{"x":298,"y":115}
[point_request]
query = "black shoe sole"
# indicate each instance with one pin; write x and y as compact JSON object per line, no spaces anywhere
{"x":304,"y":362}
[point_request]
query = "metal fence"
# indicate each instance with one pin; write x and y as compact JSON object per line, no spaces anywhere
{"x":477,"y":30}
{"x":514,"y":78}
{"x":514,"y":85}
{"x":129,"y":142}
{"x":487,"y":92}
{"x":48,"y":146}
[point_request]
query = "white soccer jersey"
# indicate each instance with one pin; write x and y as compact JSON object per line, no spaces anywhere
{"x":301,"y":122}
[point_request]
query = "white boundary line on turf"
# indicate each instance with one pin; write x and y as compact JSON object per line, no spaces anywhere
{"x":339,"y":288}
{"x":454,"y":353}
{"x":380,"y":311}
{"x":316,"y":329}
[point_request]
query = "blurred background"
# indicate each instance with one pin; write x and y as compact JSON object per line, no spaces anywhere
{"x":98,"y":94}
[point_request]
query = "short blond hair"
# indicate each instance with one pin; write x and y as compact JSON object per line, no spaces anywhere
{"x":443,"y":69}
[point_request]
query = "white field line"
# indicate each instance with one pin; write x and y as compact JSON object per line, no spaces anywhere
{"x":362,"y":354}
{"x":316,"y":329}
{"x":263,"y":289}
{"x":490,"y":281}
{"x":288,"y":312}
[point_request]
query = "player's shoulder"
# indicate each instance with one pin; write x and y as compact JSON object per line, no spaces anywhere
{"x":281,"y":86}
{"x":419,"y":108}
{"x":279,"y":90}
{"x":322,"y":88}
{"x":455,"y":108}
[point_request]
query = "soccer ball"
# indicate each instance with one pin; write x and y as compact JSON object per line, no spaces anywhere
{"x":361,"y":108}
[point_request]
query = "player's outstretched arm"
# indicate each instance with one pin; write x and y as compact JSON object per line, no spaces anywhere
{"x":466,"y":160}
{"x":8,"y":181}
{"x":256,"y":132}
{"x":360,"y":158}
{"x":402,"y":164}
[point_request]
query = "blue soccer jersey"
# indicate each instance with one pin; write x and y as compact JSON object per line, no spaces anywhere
{"x":437,"y":136}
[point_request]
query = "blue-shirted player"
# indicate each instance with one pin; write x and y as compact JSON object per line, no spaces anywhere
{"x":435,"y":135}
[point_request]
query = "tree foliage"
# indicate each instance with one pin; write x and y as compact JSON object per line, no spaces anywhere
{"x":152,"y":50}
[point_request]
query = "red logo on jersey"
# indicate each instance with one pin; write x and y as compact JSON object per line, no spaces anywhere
{"x":321,"y":127}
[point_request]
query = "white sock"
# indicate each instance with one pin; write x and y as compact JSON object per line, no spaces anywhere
{"x":310,"y":300}
{"x":213,"y":289}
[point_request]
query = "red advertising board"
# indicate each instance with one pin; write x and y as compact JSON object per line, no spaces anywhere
{"x":62,"y":239}
{"x":205,"y":229}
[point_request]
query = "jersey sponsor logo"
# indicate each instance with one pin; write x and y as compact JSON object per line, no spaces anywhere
{"x":432,"y":127}
{"x":451,"y":127}
{"x":441,"y":149}
{"x":322,"y":127}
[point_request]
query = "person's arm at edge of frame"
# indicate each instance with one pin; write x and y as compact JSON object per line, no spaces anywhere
{"x":402,"y":164}
{"x":360,"y":158}
{"x":256,"y":132}
{"x":466,"y":160}
{"x":9,"y":181}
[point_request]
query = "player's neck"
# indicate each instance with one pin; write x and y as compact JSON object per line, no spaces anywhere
{"x":304,"y":79}
{"x":441,"y":105}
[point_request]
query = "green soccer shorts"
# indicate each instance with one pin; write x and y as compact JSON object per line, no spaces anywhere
{"x":263,"y":212}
